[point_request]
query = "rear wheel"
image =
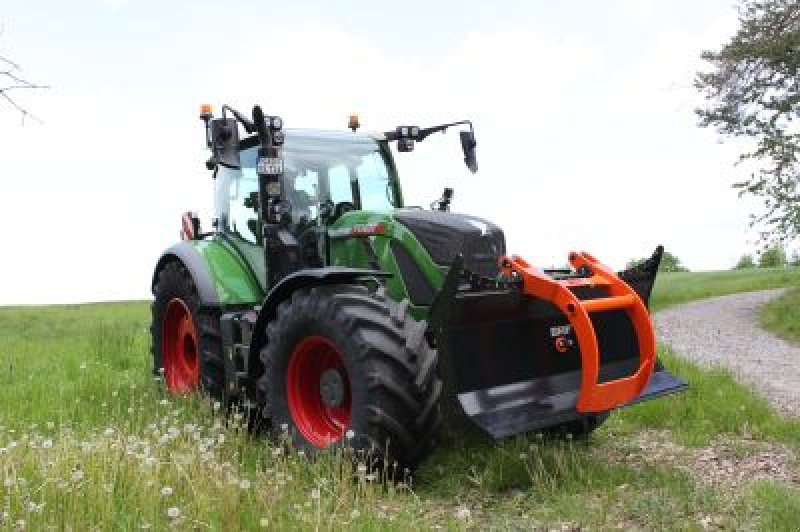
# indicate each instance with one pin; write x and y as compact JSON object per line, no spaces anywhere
{"x":186,"y":343}
{"x":344,"y":364}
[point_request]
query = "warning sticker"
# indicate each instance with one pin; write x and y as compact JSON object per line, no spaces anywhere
{"x":561,"y":330}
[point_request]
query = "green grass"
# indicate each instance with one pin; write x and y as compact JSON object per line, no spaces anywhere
{"x":675,"y":288}
{"x":95,"y":441}
{"x":782,"y":316}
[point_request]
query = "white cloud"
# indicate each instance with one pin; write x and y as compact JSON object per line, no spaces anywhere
{"x":573,"y":154}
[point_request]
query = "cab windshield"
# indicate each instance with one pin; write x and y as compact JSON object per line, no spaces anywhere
{"x":340,"y":169}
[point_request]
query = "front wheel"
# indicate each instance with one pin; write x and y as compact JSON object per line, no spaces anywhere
{"x":344,"y":363}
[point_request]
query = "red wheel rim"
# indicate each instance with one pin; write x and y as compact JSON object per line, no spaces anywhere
{"x":319,"y":422}
{"x":179,"y":348}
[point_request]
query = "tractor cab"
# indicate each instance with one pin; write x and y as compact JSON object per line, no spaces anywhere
{"x":325,"y":175}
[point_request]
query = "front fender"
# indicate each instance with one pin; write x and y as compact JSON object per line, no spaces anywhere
{"x":297,"y":281}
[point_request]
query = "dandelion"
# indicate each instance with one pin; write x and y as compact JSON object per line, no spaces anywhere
{"x":173,"y":512}
{"x":244,"y":484}
{"x":463,"y":513}
{"x":315,"y":494}
{"x":166,"y":491}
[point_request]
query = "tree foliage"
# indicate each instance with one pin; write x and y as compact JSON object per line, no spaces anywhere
{"x":753,"y":90}
{"x":669,"y":263}
{"x":773,"y":257}
{"x":745,"y":262}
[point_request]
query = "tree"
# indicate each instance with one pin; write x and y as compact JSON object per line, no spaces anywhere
{"x":669,"y":263}
{"x":753,"y":90}
{"x":773,"y":257}
{"x":745,"y":262}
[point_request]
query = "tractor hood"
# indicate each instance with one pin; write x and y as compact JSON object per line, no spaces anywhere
{"x":446,"y":234}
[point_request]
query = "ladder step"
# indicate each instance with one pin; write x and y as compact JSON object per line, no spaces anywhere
{"x":608,"y":303}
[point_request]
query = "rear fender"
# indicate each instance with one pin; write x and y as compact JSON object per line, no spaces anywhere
{"x":221,"y":277}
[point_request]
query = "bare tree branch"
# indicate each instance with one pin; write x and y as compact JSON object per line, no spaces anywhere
{"x":17,"y":83}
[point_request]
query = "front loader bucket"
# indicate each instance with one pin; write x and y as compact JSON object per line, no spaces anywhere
{"x":548,"y":348}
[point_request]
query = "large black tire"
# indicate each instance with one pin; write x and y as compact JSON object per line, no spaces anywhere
{"x":394,"y":387}
{"x":175,"y":283}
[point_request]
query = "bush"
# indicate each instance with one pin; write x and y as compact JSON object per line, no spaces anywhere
{"x":774,"y":257}
{"x":669,"y":263}
{"x":745,"y":262}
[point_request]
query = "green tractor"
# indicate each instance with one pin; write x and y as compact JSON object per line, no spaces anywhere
{"x":337,"y":313}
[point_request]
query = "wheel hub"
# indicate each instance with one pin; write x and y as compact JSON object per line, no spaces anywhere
{"x":318,"y":391}
{"x":331,"y":387}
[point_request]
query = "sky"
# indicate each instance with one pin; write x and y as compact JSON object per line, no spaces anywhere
{"x":583,"y":114}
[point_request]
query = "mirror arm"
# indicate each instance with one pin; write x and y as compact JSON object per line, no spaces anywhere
{"x":248,"y":125}
{"x":424,"y":133}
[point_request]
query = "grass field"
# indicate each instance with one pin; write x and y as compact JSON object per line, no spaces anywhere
{"x":88,"y":440}
{"x":782,"y":316}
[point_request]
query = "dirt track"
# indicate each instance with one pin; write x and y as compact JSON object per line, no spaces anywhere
{"x":724,"y":331}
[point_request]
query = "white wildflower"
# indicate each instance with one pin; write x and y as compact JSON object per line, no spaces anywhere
{"x":277,"y":451}
{"x":163,"y":402}
{"x":264,"y":522}
{"x":355,"y":513}
{"x":216,"y":405}
{"x":463,"y":513}
{"x":77,"y":475}
{"x":47,"y":444}
{"x":244,"y":484}
{"x":166,"y":491}
{"x":83,"y":365}
{"x":315,"y":494}
{"x":350,"y":434}
{"x":285,"y":427}
{"x":361,"y":468}
{"x":173,"y":512}
{"x":109,"y":432}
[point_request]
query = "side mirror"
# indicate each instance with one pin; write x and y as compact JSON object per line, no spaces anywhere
{"x":225,"y":142}
{"x":468,"y":144}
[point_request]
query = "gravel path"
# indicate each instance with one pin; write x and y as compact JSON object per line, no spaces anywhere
{"x":724,"y":331}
